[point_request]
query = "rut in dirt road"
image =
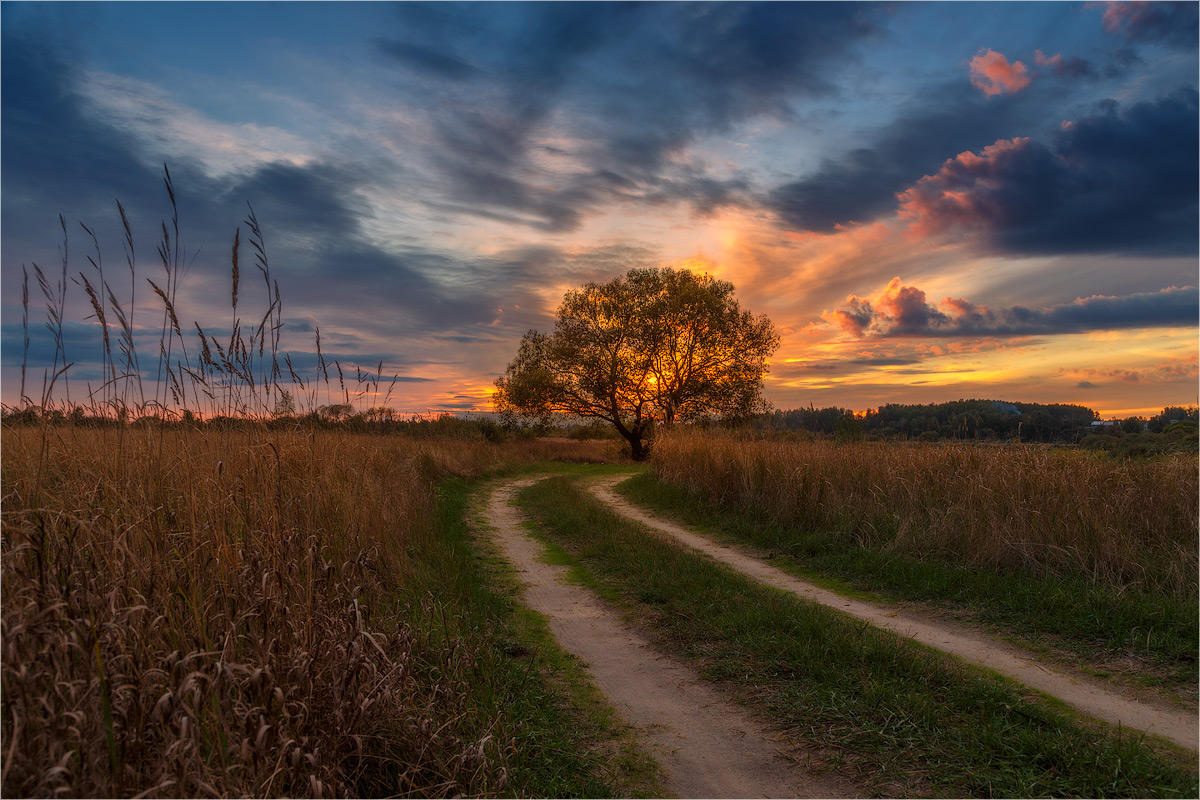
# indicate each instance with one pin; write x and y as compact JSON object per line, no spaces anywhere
{"x":707,"y":746}
{"x":1082,"y":694}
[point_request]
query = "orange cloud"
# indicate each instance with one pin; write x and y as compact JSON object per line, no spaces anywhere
{"x":1182,"y":369}
{"x":902,"y":311}
{"x":992,"y":74}
{"x":949,"y":197}
{"x":896,"y":309}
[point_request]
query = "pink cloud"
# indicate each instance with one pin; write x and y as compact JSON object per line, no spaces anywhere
{"x":853,"y":318}
{"x":992,"y":74}
{"x":896,"y":310}
{"x":1127,"y":17}
{"x":1043,"y":60}
{"x":905,"y":307}
{"x":959,"y":193}
{"x":902,"y":311}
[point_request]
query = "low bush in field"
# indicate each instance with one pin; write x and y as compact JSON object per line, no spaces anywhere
{"x":190,"y":613}
{"x":1012,"y":508}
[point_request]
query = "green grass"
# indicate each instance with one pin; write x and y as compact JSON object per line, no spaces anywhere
{"x":894,"y":715}
{"x":567,"y":740}
{"x":1157,"y":633}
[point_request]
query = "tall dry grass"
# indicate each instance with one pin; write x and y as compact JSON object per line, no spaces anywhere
{"x":1030,"y":509}
{"x":214,"y":611}
{"x":192,"y":613}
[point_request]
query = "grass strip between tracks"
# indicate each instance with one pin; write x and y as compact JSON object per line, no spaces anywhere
{"x":1134,"y":636}
{"x":899,"y":718}
{"x":565,"y":739}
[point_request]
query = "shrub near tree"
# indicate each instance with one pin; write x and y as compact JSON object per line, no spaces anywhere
{"x":655,"y":346}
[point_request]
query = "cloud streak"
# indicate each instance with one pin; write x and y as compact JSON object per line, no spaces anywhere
{"x":631,"y":86}
{"x":903,"y":311}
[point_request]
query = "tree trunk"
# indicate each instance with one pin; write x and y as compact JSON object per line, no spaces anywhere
{"x":640,"y":451}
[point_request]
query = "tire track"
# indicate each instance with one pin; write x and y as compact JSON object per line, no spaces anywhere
{"x":1082,"y":694}
{"x":707,"y":746}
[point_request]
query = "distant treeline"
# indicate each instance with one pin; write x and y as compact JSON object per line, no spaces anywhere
{"x":986,"y":420}
{"x":1175,"y":429}
{"x":341,"y":417}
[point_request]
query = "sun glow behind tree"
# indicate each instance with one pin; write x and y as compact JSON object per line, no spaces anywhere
{"x":655,"y":346}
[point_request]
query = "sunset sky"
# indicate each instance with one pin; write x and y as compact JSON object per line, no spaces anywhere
{"x":932,"y":201}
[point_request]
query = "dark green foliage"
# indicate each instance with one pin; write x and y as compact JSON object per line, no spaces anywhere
{"x":982,"y":420}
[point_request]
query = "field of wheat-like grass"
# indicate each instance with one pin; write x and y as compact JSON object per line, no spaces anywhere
{"x":207,"y":613}
{"x":1014,"y":508}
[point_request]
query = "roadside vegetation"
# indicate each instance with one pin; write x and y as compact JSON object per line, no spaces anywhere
{"x":903,"y":720}
{"x":266,"y":613}
{"x":1058,"y":548}
{"x":226,"y":575}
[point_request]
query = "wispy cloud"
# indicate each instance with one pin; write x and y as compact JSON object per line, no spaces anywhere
{"x":166,"y":126}
{"x":632,"y":86}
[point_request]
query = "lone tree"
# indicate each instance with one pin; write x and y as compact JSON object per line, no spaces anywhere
{"x":657,"y":345}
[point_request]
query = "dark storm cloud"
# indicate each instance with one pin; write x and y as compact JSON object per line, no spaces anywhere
{"x":902,"y":311}
{"x":1120,"y":180}
{"x":1121,"y":61}
{"x":80,"y":343}
{"x":1068,"y":67}
{"x":1167,"y":23}
{"x":861,"y":184}
{"x":54,"y":158}
{"x":316,"y":199}
{"x":58,"y":155}
{"x":638,"y":81}
{"x":704,"y":194}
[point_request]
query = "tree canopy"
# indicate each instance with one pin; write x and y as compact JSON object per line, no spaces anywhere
{"x":656,"y":345}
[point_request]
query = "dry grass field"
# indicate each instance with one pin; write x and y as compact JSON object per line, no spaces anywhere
{"x":1028,"y":509}
{"x":213,"y":613}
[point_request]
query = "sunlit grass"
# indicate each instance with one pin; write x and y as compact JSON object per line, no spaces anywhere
{"x":1021,"y":509}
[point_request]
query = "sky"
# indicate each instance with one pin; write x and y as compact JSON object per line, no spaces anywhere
{"x":931,"y":201}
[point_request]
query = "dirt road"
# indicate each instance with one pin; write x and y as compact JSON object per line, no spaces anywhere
{"x":707,"y":746}
{"x":1083,"y":694}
